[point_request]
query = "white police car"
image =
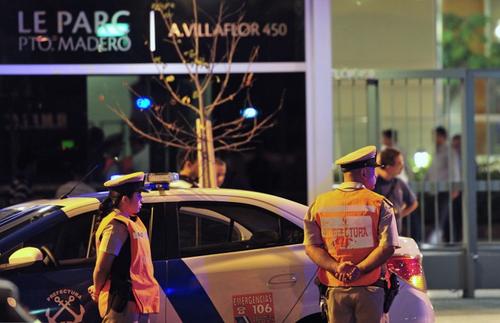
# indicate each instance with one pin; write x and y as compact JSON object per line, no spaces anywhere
{"x":219,"y":255}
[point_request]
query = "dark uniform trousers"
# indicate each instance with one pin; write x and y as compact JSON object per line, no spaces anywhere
{"x":364,"y":304}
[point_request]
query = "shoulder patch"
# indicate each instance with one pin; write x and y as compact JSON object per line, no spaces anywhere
{"x":386,"y":200}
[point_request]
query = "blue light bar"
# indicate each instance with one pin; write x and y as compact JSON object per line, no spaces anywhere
{"x":143,"y":103}
{"x":249,"y":113}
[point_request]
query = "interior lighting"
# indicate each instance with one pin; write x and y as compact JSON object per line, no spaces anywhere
{"x":117,"y":29}
{"x":422,"y":159}
{"x":497,"y":30}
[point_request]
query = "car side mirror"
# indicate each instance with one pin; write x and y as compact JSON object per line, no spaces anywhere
{"x":26,"y":255}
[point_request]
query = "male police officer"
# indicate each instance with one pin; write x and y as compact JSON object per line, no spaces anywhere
{"x":350,"y":233}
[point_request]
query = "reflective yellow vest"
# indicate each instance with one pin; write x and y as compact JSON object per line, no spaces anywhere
{"x":144,"y":285}
{"x":349,"y":227}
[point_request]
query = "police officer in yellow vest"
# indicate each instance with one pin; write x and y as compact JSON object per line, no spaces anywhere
{"x":350,"y":233}
{"x":124,"y":284}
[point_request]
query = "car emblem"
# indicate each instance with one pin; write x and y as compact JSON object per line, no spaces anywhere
{"x":65,"y":299}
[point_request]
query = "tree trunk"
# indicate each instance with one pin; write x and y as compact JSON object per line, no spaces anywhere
{"x":205,"y":154}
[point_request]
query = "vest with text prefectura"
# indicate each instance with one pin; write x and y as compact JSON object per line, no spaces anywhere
{"x":144,"y":285}
{"x":349,"y":227}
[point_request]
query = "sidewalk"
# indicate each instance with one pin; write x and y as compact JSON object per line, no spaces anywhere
{"x":450,"y":307}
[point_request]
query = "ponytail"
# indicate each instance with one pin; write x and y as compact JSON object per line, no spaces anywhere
{"x":112,"y":201}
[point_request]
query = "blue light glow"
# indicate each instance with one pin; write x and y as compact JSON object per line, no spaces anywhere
{"x":249,"y":113}
{"x":115,"y":176}
{"x":143,"y":103}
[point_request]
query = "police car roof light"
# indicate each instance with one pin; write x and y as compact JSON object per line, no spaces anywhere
{"x":161,"y":178}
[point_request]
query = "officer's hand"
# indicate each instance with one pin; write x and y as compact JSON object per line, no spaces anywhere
{"x":344,"y":271}
{"x":92,"y":293}
{"x":355,"y":273}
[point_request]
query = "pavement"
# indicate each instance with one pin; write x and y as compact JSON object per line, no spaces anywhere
{"x":451,"y":307}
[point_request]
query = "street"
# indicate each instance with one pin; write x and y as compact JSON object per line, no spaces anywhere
{"x":450,"y":307}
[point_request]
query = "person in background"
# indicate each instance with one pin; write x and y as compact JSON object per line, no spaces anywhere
{"x":220,"y":171}
{"x":124,"y":284}
{"x":392,"y":187}
{"x":350,"y":233}
{"x":138,"y":160}
{"x":75,"y":186}
{"x":390,"y":140}
{"x":187,"y":164}
{"x":456,"y":144}
{"x":444,"y":169}
{"x":20,"y":189}
{"x":188,"y":170}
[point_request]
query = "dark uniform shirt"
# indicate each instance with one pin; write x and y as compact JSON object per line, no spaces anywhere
{"x":397,"y":191}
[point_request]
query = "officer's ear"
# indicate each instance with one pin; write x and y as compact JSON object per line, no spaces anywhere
{"x":367,"y":173}
{"x":124,"y":199}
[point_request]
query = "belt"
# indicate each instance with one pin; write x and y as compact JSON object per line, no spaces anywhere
{"x":379,"y":283}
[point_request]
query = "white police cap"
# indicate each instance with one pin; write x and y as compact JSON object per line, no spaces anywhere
{"x":363,"y":157}
{"x":127,"y":183}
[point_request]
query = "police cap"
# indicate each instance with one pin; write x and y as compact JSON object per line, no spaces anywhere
{"x":363,"y":157}
{"x":127,"y":183}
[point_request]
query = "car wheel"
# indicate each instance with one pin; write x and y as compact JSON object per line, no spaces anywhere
{"x":313,"y":318}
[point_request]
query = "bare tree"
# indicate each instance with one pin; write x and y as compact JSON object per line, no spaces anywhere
{"x":205,"y":139}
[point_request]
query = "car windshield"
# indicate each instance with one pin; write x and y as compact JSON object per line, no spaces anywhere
{"x":14,"y":217}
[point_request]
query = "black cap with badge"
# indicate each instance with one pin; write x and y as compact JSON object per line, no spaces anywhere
{"x":126,"y":184}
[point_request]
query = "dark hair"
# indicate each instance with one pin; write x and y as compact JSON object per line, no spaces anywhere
{"x":440,"y":130}
{"x":184,"y":156}
{"x":388,"y":156}
{"x":391,"y":134}
{"x":112,"y":201}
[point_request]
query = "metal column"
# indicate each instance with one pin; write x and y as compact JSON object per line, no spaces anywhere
{"x":469,"y":214}
{"x":373,"y":106}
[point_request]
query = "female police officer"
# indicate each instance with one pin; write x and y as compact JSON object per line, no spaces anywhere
{"x":124,"y":285}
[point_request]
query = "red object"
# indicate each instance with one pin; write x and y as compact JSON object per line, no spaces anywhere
{"x":254,"y":308}
{"x":410,"y":269}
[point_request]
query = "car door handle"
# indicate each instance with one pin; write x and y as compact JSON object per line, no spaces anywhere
{"x":283,"y":279}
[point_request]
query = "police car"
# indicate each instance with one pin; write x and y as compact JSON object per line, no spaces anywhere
{"x":220,"y":255}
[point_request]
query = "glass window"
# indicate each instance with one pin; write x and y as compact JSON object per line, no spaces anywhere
{"x":67,"y":240}
{"x":208,"y":228}
{"x":152,"y":215}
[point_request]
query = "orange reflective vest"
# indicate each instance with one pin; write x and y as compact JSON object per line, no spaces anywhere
{"x":144,"y":285}
{"x":349,"y":227}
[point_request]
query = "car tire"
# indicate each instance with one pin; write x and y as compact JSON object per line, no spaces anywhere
{"x":313,"y":318}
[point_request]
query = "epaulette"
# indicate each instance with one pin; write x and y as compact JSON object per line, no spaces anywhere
{"x":386,"y":200}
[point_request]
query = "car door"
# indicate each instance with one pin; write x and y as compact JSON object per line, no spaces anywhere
{"x":57,"y":291}
{"x":237,"y":262}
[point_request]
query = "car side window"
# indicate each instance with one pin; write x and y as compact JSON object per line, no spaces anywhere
{"x":68,"y":239}
{"x":216,"y":227}
{"x":152,"y":215}
{"x":199,"y":226}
